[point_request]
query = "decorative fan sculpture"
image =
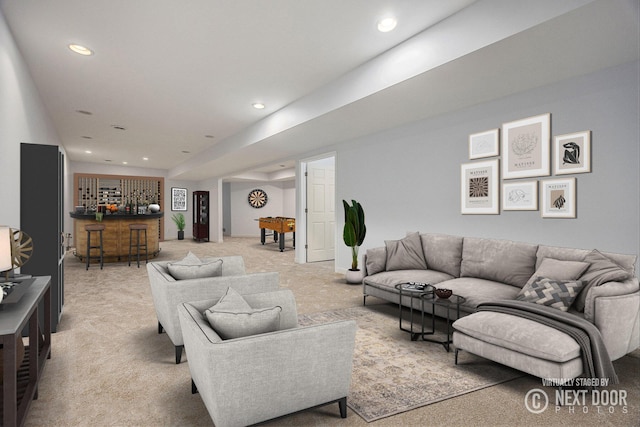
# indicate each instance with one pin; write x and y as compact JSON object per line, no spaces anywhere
{"x":21,"y":248}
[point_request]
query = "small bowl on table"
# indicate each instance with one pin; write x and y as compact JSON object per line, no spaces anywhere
{"x":443,"y":293}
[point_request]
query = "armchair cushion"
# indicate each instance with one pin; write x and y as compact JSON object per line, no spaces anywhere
{"x":233,"y":317}
{"x":191,"y":267}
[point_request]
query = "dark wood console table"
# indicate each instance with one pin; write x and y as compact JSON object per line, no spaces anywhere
{"x":20,"y":387}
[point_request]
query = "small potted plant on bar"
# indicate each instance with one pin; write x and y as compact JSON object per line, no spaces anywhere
{"x":353,"y":235}
{"x":180,"y":223}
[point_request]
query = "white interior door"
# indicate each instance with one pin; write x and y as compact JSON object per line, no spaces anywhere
{"x":321,"y":210}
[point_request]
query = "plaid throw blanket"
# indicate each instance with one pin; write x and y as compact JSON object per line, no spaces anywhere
{"x":595,"y":357}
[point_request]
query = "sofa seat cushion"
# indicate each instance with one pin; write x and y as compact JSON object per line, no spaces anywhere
{"x":388,"y":279}
{"x":520,"y":335}
{"x":477,"y":291}
{"x":502,"y":261}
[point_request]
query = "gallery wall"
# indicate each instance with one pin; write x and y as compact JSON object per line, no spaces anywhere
{"x":409,"y":177}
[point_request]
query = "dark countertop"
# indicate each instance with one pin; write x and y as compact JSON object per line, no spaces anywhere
{"x":116,"y":216}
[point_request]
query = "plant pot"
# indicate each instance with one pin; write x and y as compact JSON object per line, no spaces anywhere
{"x":180,"y":234}
{"x":354,"y":277}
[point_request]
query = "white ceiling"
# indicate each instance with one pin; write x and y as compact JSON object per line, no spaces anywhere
{"x":180,"y":77}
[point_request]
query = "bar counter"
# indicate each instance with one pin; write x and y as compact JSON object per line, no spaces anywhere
{"x":115,"y":237}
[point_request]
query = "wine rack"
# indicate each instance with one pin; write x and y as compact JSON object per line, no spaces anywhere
{"x":93,"y":191}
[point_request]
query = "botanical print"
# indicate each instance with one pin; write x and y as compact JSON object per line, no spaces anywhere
{"x":484,"y":144}
{"x":526,"y":147}
{"x":572,"y":153}
{"x":520,"y":196}
{"x":559,"y":198}
{"x":479,"y":187}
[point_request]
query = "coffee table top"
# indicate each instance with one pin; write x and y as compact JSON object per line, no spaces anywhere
{"x":452,"y":300}
{"x":415,"y":287}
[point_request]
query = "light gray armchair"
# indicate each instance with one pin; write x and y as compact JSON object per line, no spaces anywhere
{"x":168,"y":292}
{"x":251,"y":379}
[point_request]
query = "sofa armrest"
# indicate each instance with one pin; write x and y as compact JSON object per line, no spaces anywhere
{"x":614,"y":307}
{"x":277,"y":373}
{"x":167,"y":295}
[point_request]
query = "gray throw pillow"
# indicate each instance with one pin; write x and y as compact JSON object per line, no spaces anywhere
{"x":558,"y":294}
{"x":559,"y":270}
{"x":376,"y":260}
{"x":232,"y":317}
{"x":405,"y":254}
{"x":181,"y":271}
{"x":601,"y":270}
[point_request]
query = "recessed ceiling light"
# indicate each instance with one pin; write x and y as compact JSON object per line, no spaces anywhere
{"x":82,"y":50}
{"x":186,"y":152}
{"x":85,"y":112}
{"x":258,"y":105}
{"x":88,"y":151}
{"x":118,"y":127}
{"x":145,"y":158}
{"x":387,"y":24}
{"x":124,"y":163}
{"x":107,"y":160}
{"x":209,"y":136}
{"x":87,"y":137}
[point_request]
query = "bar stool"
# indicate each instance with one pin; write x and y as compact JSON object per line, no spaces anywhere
{"x":137,"y":228}
{"x":89,"y":229}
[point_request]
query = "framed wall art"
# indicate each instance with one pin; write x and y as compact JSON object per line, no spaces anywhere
{"x":559,"y":198}
{"x":520,"y":196}
{"x":572,"y":153}
{"x":178,"y":199}
{"x":479,"y":188}
{"x":484,"y":144}
{"x":525,"y":147}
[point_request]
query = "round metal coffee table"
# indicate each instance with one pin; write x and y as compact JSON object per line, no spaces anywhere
{"x":451,"y":304}
{"x":414,"y":291}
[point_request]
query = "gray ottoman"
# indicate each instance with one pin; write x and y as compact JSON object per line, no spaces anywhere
{"x":519,"y":343}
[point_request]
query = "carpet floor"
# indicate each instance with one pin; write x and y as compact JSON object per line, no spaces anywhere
{"x":110,"y":367}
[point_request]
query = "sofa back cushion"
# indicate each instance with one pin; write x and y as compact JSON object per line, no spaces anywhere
{"x":502,"y":261}
{"x":627,"y":262}
{"x":442,"y":252}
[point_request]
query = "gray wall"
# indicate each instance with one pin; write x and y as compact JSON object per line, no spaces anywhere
{"x":408,"y":178}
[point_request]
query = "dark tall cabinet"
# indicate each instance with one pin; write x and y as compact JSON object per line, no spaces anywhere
{"x":201,"y":215}
{"x":42,"y":217}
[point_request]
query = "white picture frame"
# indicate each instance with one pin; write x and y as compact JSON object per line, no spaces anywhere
{"x":558,"y":198}
{"x":572,"y":153}
{"x":520,"y":196}
{"x":484,"y":144}
{"x":525,"y":147}
{"x":479,"y":188}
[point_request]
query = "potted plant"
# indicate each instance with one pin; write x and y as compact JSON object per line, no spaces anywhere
{"x":180,"y":223}
{"x":353,"y":235}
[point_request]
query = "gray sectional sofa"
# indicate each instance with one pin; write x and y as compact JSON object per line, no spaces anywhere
{"x":601,"y":288}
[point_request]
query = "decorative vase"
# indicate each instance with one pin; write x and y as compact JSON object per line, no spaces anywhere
{"x":154,"y":207}
{"x":180,"y":234}
{"x":354,"y":277}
